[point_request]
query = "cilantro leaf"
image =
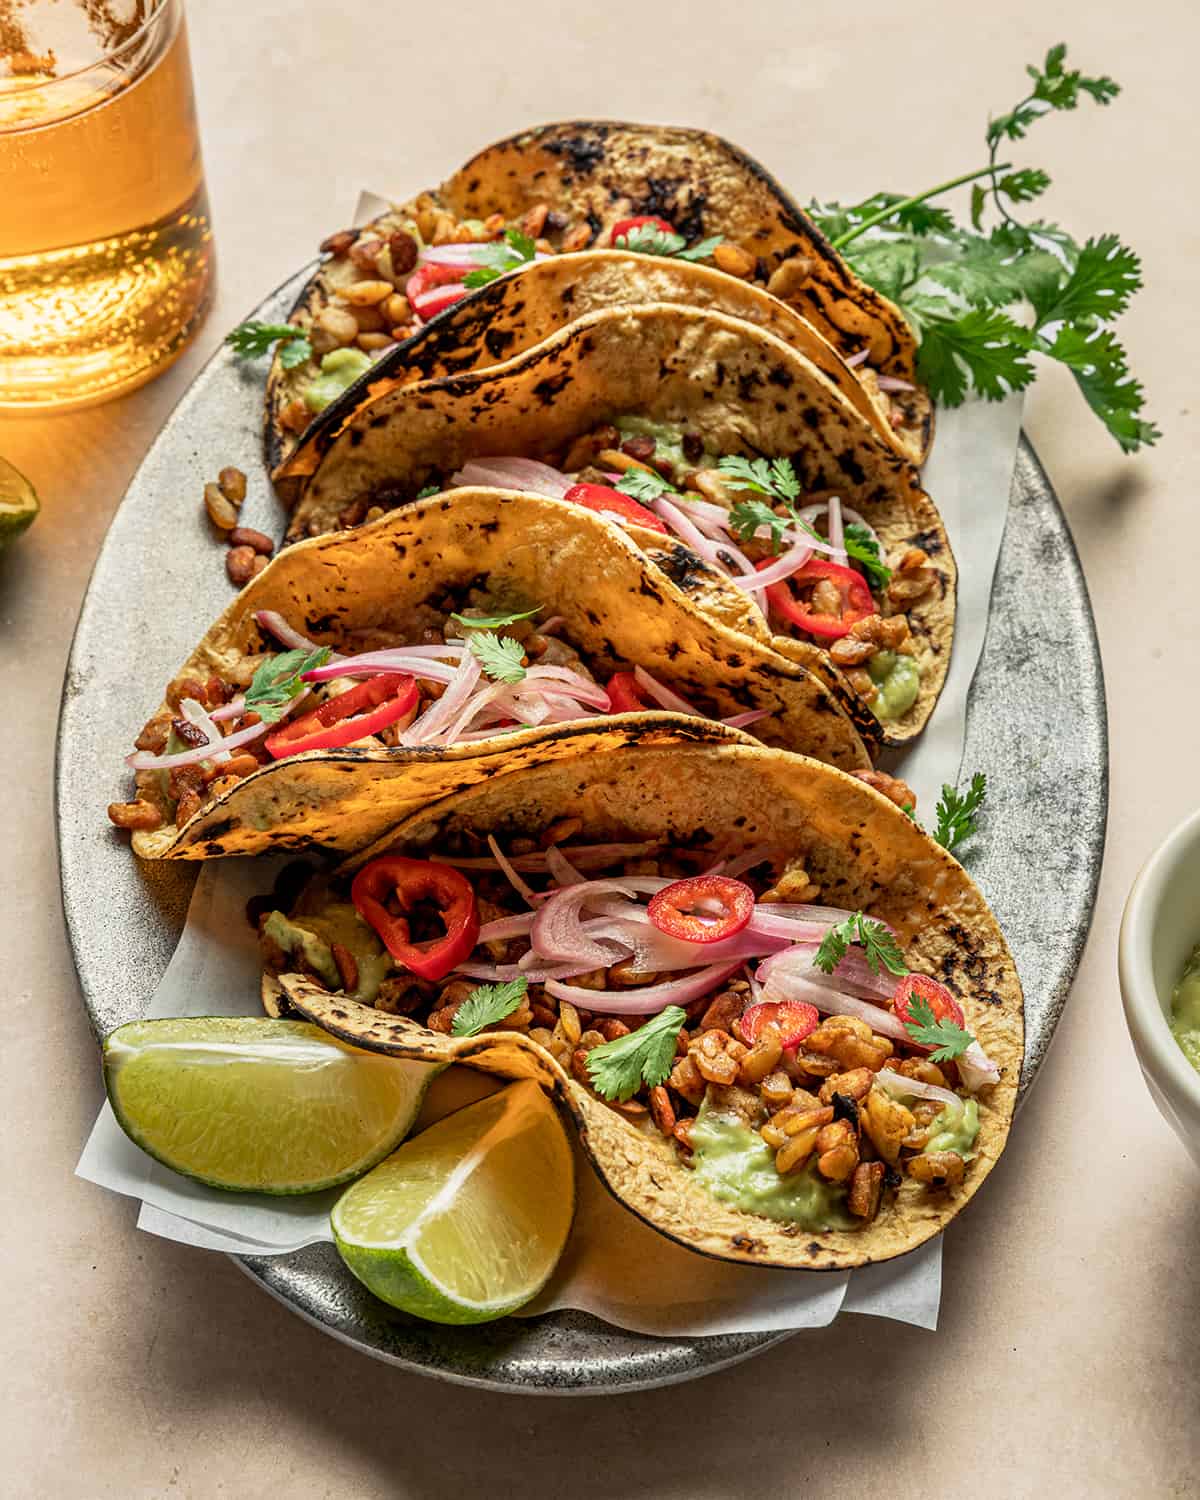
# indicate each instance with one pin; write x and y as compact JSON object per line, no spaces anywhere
{"x":250,"y":339}
{"x":878,"y":941}
{"x":748,"y":517}
{"x":956,"y":812}
{"x":645,"y":1057}
{"x":277,"y":682}
{"x":983,"y":346}
{"x":642,"y":486}
{"x":947,"y":1038}
{"x":1104,"y":278}
{"x":500,"y":656}
{"x":1024,"y":185}
{"x":486,"y":1005}
{"x":495,"y":622}
{"x":1101,"y":372}
{"x":775,"y":476}
{"x":864,"y":549}
{"x":648,"y":239}
{"x":428,"y":489}
{"x":493,"y":260}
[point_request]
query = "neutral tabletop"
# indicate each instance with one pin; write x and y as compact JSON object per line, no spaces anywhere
{"x":1067,"y":1360}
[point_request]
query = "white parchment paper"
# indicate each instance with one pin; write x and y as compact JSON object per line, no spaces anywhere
{"x":614,"y":1267}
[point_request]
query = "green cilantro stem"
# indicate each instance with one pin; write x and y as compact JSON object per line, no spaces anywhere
{"x":893,"y":209}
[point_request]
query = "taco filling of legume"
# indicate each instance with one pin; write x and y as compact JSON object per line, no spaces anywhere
{"x":782,"y":1048}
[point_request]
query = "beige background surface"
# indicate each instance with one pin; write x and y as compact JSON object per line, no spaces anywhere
{"x":1067,"y":1361}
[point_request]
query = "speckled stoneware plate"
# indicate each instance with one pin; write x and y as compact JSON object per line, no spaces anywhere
{"x":1036,"y":725}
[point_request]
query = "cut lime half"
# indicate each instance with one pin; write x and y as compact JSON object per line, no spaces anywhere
{"x":18,"y":503}
{"x":255,"y":1105}
{"x":465,"y":1222}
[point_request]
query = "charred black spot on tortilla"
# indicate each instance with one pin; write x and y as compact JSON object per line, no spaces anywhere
{"x":747,"y":1244}
{"x":554,"y":385}
{"x":813,"y":1248}
{"x":850,"y":466}
{"x":583,"y":152}
{"x":929,"y":541}
{"x":498,"y":340}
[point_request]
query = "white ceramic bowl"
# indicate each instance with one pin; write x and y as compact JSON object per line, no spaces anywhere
{"x":1160,"y":928}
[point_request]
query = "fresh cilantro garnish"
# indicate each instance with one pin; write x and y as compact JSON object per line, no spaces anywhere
{"x":517,"y":249}
{"x":486,"y":1005}
{"x":642,"y":486}
{"x":946,"y":1036}
{"x":648,"y":239}
{"x":775,"y":478}
{"x":428,"y":489}
{"x":495,"y":622}
{"x":956,"y":812}
{"x":951,"y":282}
{"x":277,"y":682}
{"x":864,"y":549}
{"x":878,"y":942}
{"x":643,"y":1057}
{"x":250,"y":339}
{"x":500,"y":656}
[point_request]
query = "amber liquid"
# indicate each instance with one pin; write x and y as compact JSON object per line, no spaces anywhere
{"x":106,"y":256}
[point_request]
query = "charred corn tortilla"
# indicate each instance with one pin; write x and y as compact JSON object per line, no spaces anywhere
{"x":515,"y":313}
{"x":737,"y":386}
{"x":861,"y":851}
{"x":616,"y":604}
{"x":600,"y":172}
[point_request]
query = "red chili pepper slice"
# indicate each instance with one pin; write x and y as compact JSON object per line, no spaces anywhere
{"x":794,"y":1019}
{"x":625,"y":693}
{"x":431,"y":289}
{"x":410,"y":881}
{"x":683,"y":910}
{"x":366,"y":708}
{"x":857,"y":602}
{"x":939,"y":999}
{"x":624,"y":227}
{"x":599,"y":497}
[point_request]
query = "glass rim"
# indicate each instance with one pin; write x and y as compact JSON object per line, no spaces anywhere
{"x":160,"y":9}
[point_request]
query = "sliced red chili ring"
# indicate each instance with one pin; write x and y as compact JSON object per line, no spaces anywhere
{"x":624,"y":227}
{"x":366,"y":708}
{"x":857,"y":602}
{"x":794,"y":1019}
{"x":941,"y":1002}
{"x":685,"y":909}
{"x":599,"y":497}
{"x":410,"y":881}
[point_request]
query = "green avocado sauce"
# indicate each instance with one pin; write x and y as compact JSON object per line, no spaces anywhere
{"x":958,"y":1133}
{"x":736,"y":1166}
{"x":668,"y":441}
{"x":1185,"y":1010}
{"x":340,"y":368}
{"x":898,"y":680}
{"x":312,"y":937}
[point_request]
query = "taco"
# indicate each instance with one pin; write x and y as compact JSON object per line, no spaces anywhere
{"x":663,"y":191}
{"x":679,"y":393}
{"x":446,"y":643}
{"x":784,"y":1020}
{"x":514,"y":313}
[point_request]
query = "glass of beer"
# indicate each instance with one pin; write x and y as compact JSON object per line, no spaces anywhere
{"x":106,"y":255}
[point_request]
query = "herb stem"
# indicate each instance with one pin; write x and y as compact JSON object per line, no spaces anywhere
{"x":893,"y":209}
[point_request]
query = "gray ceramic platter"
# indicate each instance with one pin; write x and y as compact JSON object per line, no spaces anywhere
{"x":1036,"y":725}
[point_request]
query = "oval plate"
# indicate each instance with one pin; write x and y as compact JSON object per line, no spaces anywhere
{"x":1036,"y":724}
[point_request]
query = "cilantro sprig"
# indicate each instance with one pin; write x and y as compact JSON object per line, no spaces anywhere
{"x":643,"y":1057}
{"x":956,"y":820}
{"x":248,"y":340}
{"x":487,"y":1005}
{"x":277,"y":682}
{"x":947,"y":1037}
{"x":495,"y":622}
{"x":516,"y":249}
{"x":501,"y":657}
{"x":648,"y":239}
{"x":862,"y":547}
{"x":775,"y":480}
{"x":644,"y":487}
{"x":878,"y":942}
{"x":984,"y":301}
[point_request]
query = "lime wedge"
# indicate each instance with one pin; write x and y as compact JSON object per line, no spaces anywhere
{"x":18,"y":503}
{"x":468,"y":1219}
{"x":261,"y":1106}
